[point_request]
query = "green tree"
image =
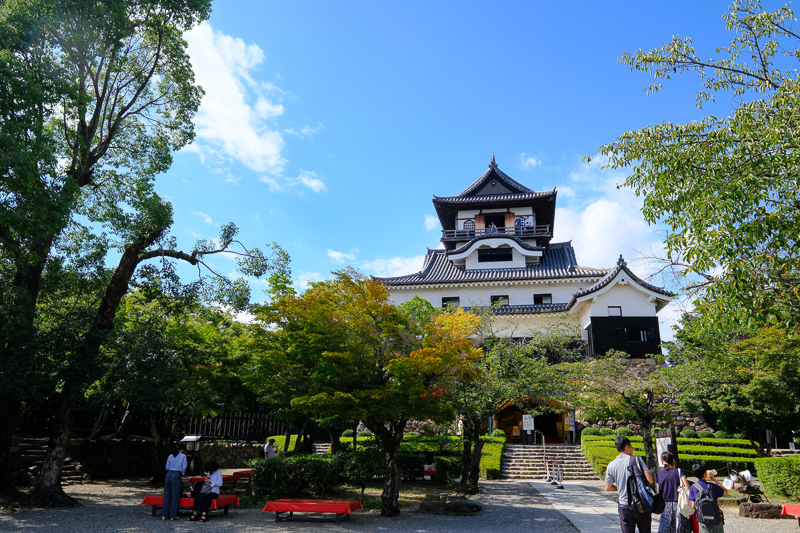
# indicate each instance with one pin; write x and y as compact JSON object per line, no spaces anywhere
{"x":727,"y":188}
{"x":747,"y":379}
{"x":94,"y":98}
{"x":609,"y":386}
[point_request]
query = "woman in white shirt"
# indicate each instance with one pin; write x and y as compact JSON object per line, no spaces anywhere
{"x":202,"y":501}
{"x":173,"y":484}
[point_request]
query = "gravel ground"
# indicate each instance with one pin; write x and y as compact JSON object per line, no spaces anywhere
{"x":508,"y":507}
{"x":114,"y":506}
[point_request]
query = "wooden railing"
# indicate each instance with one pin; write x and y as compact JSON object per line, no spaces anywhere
{"x":525,"y":231}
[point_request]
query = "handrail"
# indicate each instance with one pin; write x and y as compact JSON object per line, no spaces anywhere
{"x":524,"y":231}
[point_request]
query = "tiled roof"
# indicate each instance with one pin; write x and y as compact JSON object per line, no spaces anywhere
{"x":557,"y":262}
{"x":608,"y":278}
{"x":514,"y":238}
{"x":528,"y":309}
{"x":501,"y":175}
{"x":459,"y":199}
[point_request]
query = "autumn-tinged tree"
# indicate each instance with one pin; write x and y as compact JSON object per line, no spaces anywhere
{"x":354,"y":355}
{"x":727,"y":188}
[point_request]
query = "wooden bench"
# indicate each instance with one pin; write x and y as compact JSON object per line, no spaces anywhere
{"x":342,"y":509}
{"x":222,"y":502}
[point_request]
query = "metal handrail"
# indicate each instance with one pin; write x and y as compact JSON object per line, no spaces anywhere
{"x":524,"y":231}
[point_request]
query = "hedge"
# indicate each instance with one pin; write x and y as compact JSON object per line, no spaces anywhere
{"x":780,"y":476}
{"x":491,"y":455}
{"x":732,"y":443}
{"x":600,"y":452}
{"x":295,"y":476}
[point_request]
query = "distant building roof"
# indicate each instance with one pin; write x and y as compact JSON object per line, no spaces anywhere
{"x":557,"y":262}
{"x":621,"y":266}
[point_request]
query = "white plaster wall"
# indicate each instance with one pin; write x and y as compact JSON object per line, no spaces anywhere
{"x":633,"y":302}
{"x":472,"y":263}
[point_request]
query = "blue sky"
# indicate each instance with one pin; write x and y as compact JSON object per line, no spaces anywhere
{"x":327,"y":126}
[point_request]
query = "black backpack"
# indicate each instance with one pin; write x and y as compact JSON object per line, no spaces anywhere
{"x":640,"y":496}
{"x":705,"y":503}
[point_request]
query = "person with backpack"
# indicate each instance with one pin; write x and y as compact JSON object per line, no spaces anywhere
{"x":622,"y":469}
{"x":703,"y":498}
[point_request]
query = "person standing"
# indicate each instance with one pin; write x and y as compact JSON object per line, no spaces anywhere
{"x":617,"y":475}
{"x":173,"y":484}
{"x":202,"y":501}
{"x":705,"y":480}
{"x":269,"y":449}
{"x":669,"y":480}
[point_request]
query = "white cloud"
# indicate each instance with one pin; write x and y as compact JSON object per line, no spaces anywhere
{"x":305,"y":131}
{"x":431,"y":222}
{"x":204,"y":216}
{"x":601,"y":220}
{"x":233,"y":121}
{"x":396,"y":266}
{"x":306,"y":178}
{"x":342,"y":257}
{"x":304,"y":280}
{"x":529,"y":162}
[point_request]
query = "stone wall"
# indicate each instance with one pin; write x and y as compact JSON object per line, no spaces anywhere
{"x":680,"y":420}
{"x":230,"y":455}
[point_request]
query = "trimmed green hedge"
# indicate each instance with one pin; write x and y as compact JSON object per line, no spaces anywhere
{"x":780,"y":476}
{"x":732,"y":443}
{"x":491,"y":455}
{"x":600,"y":451}
{"x":295,"y":476}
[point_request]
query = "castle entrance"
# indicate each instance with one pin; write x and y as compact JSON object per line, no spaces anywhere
{"x":509,"y":419}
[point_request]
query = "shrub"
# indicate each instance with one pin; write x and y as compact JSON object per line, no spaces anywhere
{"x":293,"y":477}
{"x":624,"y":432}
{"x":705,"y":434}
{"x":361,"y":466}
{"x":653,"y":431}
{"x":723,"y":435}
{"x":780,"y":476}
{"x":742,"y":436}
{"x":606,"y":432}
{"x":366,"y":433}
{"x":410,"y":465}
{"x":491,"y":456}
{"x":688,"y":433}
{"x":499,"y":433}
{"x":448,"y":470}
{"x":590,"y":432}
{"x":348,"y":433}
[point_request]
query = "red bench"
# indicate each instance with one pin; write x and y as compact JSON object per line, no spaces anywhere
{"x":792,"y":510}
{"x":225,"y":479}
{"x":341,"y":508}
{"x":222,"y":502}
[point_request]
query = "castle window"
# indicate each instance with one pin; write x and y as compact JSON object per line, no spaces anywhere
{"x":614,"y":310}
{"x":639,"y":334}
{"x":491,"y":255}
{"x":539,"y":299}
{"x":500,"y":300}
{"x":450,"y":300}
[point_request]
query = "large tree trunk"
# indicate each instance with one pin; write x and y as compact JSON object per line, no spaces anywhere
{"x":471,"y":457}
{"x":390,"y":438}
{"x":48,"y":491}
{"x":288,"y":436}
{"x":334,"y":434}
{"x":475,"y":466}
{"x":647,"y":439}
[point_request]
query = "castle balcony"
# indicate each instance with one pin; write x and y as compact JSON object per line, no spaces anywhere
{"x":452,"y":235}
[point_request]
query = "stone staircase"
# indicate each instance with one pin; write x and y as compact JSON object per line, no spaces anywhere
{"x":527,"y":462}
{"x":33,"y":451}
{"x":321,"y":448}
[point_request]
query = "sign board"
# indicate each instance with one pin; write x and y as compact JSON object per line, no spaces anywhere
{"x":662,"y":445}
{"x":571,"y":420}
{"x":527,"y":422}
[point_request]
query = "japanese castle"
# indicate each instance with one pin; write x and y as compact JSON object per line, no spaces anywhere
{"x":498,"y":251}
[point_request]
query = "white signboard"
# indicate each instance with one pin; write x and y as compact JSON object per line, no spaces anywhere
{"x":662,"y":445}
{"x":527,"y":422}
{"x":571,"y":420}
